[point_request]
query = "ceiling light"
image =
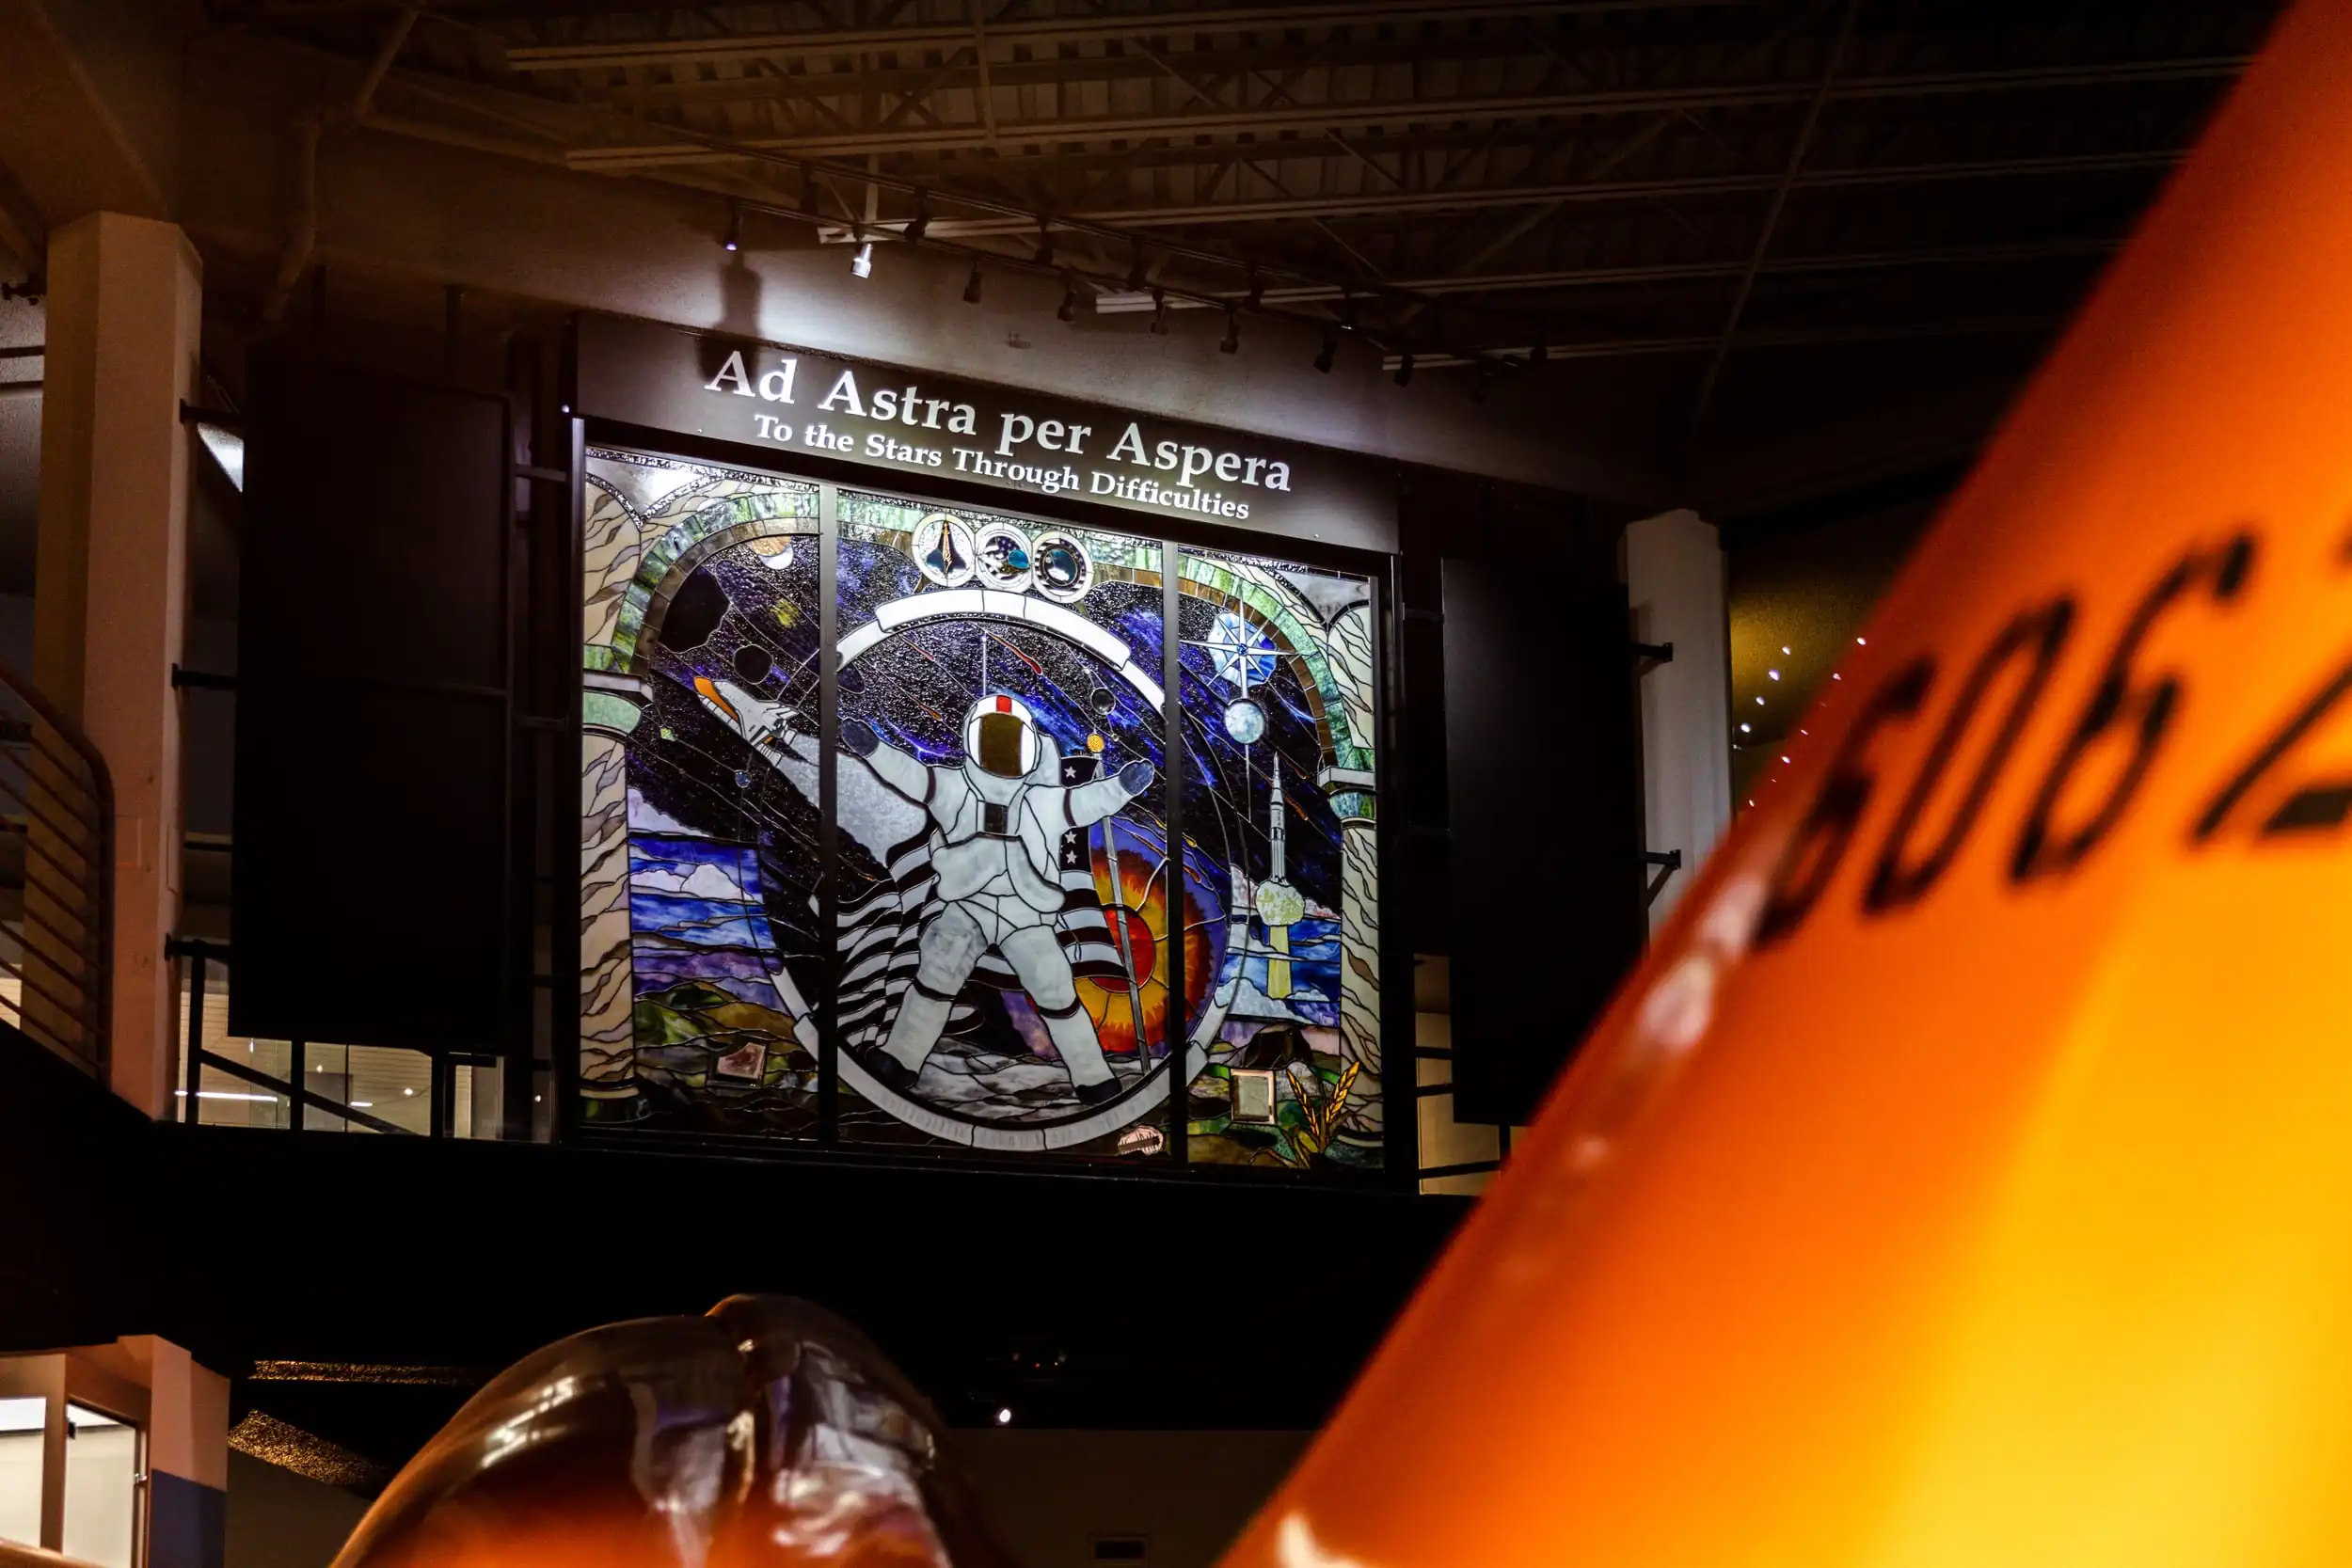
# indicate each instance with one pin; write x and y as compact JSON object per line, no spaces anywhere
{"x":1861,"y":641}
{"x":1404,"y":377}
{"x":1760,"y":702}
{"x":972,"y":286}
{"x":1745,"y":728}
{"x":1784,"y":647}
{"x":861,"y":263}
{"x":1330,"y":348}
{"x":1232,"y":332}
{"x":1773,"y":673}
{"x":1069,"y":308}
{"x":1783,"y":759}
{"x":733,"y":239}
{"x":1004,"y":1416}
{"x":410,"y":1093}
{"x":915,"y":230}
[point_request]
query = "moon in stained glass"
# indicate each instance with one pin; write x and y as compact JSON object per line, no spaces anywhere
{"x":1245,"y":721}
{"x":775,"y":553}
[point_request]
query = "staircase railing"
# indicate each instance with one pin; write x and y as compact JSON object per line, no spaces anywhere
{"x":57,"y":877}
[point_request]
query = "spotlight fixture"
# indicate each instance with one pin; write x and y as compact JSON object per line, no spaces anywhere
{"x":1044,"y":257}
{"x":1404,"y":377}
{"x":1069,"y":310}
{"x":921,"y":225}
{"x":1330,"y":348}
{"x":861,"y":262}
{"x":1347,"y":314}
{"x":1232,"y":332}
{"x":733,"y":239}
{"x":1159,"y":312}
{"x":972,"y":286}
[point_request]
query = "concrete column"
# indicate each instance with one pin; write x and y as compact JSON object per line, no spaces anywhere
{"x":1675,"y":577}
{"x":187,"y":1457}
{"x":125,"y":300}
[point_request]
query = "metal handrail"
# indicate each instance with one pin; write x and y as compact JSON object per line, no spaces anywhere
{"x":63,"y":964}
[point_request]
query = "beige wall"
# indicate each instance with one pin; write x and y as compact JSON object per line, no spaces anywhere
{"x":277,"y":1519}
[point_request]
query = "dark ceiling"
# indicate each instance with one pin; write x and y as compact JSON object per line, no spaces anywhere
{"x":1687,"y":183}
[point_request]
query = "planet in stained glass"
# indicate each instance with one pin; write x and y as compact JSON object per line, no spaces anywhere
{"x":1245,"y":721}
{"x":1002,"y":557}
{"x":774,"y":554}
{"x":1063,"y":570}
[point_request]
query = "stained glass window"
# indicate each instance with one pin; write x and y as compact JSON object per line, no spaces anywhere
{"x":1016,"y":959}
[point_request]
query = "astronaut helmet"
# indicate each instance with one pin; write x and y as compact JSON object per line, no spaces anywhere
{"x":1000,"y":737}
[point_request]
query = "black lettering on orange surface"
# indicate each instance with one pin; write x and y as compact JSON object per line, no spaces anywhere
{"x":1811,"y":861}
{"x":2140,"y":711}
{"x":2313,"y":808}
{"x":2036,"y":636}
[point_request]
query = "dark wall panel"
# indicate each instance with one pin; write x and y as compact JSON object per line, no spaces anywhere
{"x":370,"y":872}
{"x":1543,"y":802}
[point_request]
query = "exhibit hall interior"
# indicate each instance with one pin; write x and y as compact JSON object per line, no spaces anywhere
{"x":1126,"y":783}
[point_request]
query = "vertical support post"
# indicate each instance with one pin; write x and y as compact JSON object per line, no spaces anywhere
{"x":297,"y":1062}
{"x":1176,"y":1017}
{"x":828,"y":805}
{"x":187,"y":1456}
{"x":195,"y":1031}
{"x":573,"y":836}
{"x":1673,"y":570}
{"x":125,"y":303}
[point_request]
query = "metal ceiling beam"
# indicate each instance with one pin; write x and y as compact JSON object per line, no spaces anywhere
{"x":1798,"y":149}
{"x":1800,"y":337}
{"x":1368,"y":116}
{"x":1385,"y":203}
{"x":963,"y":74}
{"x":1053,"y":32}
{"x":1126,"y":303}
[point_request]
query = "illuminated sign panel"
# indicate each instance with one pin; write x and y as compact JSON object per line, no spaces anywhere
{"x":795,"y":401}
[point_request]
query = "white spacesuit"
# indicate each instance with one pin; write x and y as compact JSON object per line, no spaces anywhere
{"x":997,"y":853}
{"x":996,"y":831}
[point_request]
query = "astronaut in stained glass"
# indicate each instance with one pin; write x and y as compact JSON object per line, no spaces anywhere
{"x":996,"y":847}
